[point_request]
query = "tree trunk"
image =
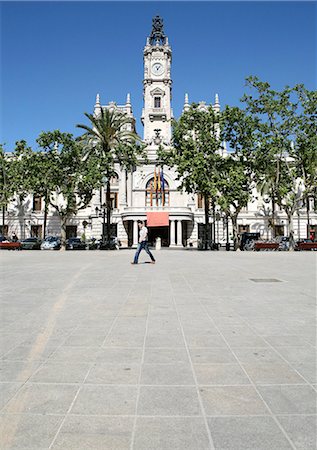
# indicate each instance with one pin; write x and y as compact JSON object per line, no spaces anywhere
{"x":227,"y":233}
{"x":206,"y":201}
{"x":213,"y":223}
{"x":108,"y":204}
{"x":45,"y":214}
{"x":273,"y":216}
{"x":291,"y":231}
{"x":3,"y":218}
{"x":63,"y":232}
{"x":308,"y":217}
{"x":234,"y":219}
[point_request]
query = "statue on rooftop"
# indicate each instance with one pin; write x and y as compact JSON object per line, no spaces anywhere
{"x":157,"y":34}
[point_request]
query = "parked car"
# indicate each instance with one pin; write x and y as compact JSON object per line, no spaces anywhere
{"x":9,"y":244}
{"x":247,"y":240}
{"x":113,"y":244}
{"x":32,"y":243}
{"x":283,"y":242}
{"x":306,"y":244}
{"x":223,"y":241}
{"x":75,"y":243}
{"x":51,"y":243}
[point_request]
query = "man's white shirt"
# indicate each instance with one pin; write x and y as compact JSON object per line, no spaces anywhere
{"x":143,"y":234}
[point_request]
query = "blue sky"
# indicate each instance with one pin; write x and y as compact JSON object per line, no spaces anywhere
{"x":55,"y":57}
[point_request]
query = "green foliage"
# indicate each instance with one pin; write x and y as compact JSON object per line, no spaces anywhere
{"x":304,"y":151}
{"x":234,"y":185}
{"x":196,"y":150}
{"x":108,"y":141}
{"x":286,"y":151}
{"x":69,"y":175}
{"x":70,"y":179}
{"x":236,"y":171}
{"x":7,"y":178}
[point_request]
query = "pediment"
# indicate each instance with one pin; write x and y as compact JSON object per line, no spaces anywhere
{"x":157,"y":91}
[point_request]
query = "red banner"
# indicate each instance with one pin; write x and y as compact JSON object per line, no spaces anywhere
{"x":157,"y":219}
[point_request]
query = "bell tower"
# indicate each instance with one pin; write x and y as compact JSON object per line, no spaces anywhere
{"x":157,"y":87}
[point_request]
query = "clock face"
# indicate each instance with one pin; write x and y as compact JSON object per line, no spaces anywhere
{"x":157,"y":69}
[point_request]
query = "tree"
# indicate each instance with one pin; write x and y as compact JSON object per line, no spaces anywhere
{"x":14,"y":177}
{"x":304,"y":150}
{"x":7,"y":187}
{"x":42,"y":182}
{"x":72,"y":178}
{"x":108,"y":140}
{"x":196,"y":153}
{"x":236,"y":171}
{"x":274,"y":114}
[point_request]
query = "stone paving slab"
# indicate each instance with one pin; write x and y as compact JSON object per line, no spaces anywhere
{"x":187,"y":354}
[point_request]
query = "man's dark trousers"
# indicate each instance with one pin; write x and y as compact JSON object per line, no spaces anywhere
{"x":142,"y":246}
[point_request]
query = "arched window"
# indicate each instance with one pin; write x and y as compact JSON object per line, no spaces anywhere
{"x":114,"y":180}
{"x":157,"y":193}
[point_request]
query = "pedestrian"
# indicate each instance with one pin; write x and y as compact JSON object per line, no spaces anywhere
{"x":143,"y":244}
{"x":14,"y":237}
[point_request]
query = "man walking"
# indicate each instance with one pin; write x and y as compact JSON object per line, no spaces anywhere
{"x":142,"y":243}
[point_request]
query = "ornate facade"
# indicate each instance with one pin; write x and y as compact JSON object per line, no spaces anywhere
{"x":135,"y":194}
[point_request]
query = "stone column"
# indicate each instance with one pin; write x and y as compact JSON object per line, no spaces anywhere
{"x":179,"y":233}
{"x":194,"y":235}
{"x":172,"y":234}
{"x":129,"y":189}
{"x":135,"y":233}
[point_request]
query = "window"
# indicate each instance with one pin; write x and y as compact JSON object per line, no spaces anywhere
{"x":157,"y":195}
{"x":36,"y":231}
{"x":200,"y":201}
{"x":243,"y":229}
{"x":114,"y":180}
{"x":37,"y":203}
{"x":157,"y":102}
{"x":114,"y":200}
{"x":279,"y":230}
{"x":71,"y":231}
{"x":311,"y":202}
{"x":4,"y":230}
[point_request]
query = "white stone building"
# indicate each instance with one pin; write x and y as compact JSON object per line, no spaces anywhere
{"x":133,"y":194}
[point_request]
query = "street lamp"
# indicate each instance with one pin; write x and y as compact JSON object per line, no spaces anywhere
{"x":227,"y":231}
{"x":98,"y":211}
{"x":218,"y":216}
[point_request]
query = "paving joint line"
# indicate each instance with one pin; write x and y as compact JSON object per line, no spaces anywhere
{"x":140,"y":374}
{"x":211,"y":442}
{"x":252,"y":383}
{"x":88,"y":372}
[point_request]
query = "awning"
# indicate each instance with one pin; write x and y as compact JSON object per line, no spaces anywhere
{"x":157,"y":219}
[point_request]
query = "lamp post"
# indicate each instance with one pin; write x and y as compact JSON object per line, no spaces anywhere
{"x":98,"y":212}
{"x":106,"y":181}
{"x":227,"y":232}
{"x":217,"y":219}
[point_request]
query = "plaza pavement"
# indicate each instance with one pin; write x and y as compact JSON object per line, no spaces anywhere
{"x":187,"y":354}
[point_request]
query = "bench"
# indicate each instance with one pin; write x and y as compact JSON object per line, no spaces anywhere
{"x":265,"y":246}
{"x":307,"y":246}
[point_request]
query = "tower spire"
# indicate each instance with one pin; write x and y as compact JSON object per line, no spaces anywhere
{"x":97,"y":108}
{"x":217,"y":104}
{"x":186,"y":103}
{"x":157,"y":36}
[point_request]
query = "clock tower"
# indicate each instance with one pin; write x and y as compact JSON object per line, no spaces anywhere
{"x":157,"y":88}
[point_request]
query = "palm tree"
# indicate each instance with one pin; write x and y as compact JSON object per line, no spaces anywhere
{"x":110,"y":139}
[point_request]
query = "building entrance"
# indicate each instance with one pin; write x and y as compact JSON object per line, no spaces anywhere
{"x":162,"y":232}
